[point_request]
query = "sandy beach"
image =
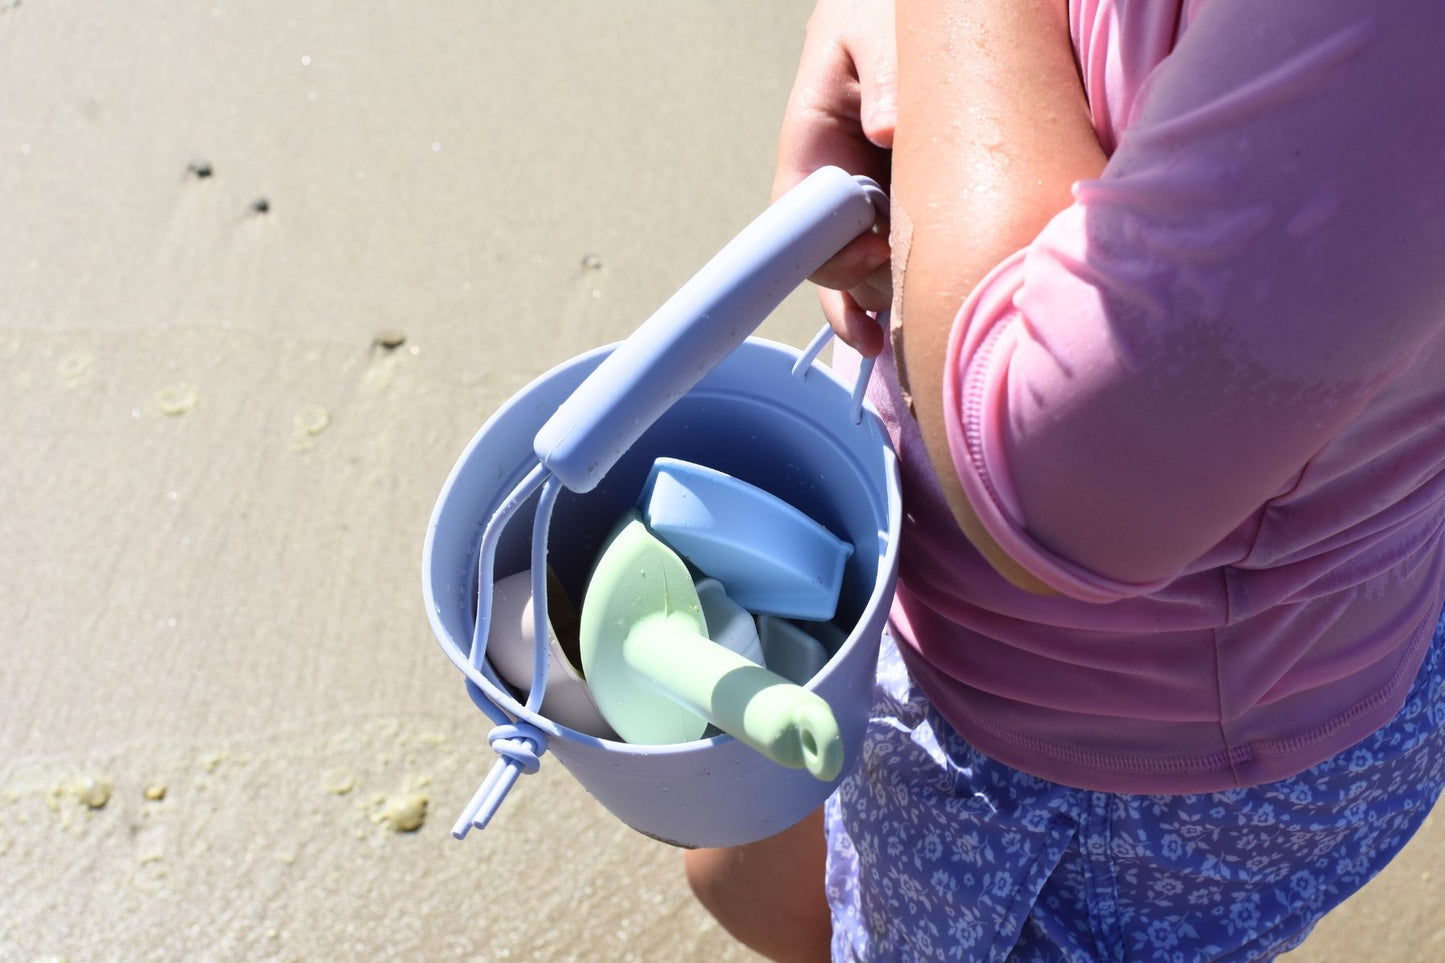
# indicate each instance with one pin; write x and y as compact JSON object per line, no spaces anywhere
{"x":266,"y":268}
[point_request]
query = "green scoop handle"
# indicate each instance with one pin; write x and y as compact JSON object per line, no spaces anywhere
{"x":658,"y":679}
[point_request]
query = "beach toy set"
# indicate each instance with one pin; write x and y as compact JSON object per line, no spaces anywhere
{"x":701,"y":419}
{"x":658,"y":634}
{"x":659,"y":677}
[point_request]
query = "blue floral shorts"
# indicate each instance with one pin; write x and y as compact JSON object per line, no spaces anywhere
{"x":937,"y":852}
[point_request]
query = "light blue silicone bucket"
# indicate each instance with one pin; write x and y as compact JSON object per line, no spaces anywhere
{"x":554,"y":468}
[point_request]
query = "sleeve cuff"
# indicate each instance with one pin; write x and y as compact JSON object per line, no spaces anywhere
{"x":975,"y":398}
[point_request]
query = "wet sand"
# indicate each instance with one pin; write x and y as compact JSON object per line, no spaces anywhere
{"x":266,"y":269}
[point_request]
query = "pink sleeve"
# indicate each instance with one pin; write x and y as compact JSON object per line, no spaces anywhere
{"x":1263,"y":251}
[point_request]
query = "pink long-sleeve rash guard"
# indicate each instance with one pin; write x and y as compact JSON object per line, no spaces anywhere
{"x":1205,"y":406}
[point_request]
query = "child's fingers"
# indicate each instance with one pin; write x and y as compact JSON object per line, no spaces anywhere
{"x":823,"y":123}
{"x":851,"y":323}
{"x":853,"y":265}
{"x":821,"y":128}
{"x":876,"y":60}
{"x":875,"y":293}
{"x":841,"y":113}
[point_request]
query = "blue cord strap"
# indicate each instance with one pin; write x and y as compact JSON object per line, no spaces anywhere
{"x":519,"y":747}
{"x":487,"y":556}
{"x":519,"y":743}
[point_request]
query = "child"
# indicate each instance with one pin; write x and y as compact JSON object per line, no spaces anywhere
{"x":1166,"y":677}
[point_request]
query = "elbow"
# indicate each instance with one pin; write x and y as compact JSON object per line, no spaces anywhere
{"x":933,"y":290}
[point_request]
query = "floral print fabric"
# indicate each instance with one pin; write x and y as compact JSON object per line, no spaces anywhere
{"x":937,"y":852}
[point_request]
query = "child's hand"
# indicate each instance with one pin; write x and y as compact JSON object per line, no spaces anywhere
{"x":841,"y":112}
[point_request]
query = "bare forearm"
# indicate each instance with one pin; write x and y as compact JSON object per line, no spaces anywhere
{"x":993,"y":129}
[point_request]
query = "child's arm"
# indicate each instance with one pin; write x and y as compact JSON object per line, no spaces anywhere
{"x":993,"y":129}
{"x":1171,"y":351}
{"x":1006,"y":66}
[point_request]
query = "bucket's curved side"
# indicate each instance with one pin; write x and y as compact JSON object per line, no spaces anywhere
{"x":748,"y":417}
{"x":672,"y":792}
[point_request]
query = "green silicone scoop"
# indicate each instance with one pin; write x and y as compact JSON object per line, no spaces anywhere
{"x":658,"y":679}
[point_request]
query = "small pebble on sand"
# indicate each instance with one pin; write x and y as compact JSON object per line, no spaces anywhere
{"x":75,"y":368}
{"x":390,"y":339}
{"x":338,"y":782}
{"x":404,"y":813}
{"x":309,"y":422}
{"x":155,"y":793}
{"x":92,"y":791}
{"x":177,"y":399}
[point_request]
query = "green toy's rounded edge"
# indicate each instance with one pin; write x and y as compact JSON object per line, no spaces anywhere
{"x":636,"y":578}
{"x":819,"y":740}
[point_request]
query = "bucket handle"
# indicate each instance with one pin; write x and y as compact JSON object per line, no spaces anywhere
{"x":703,"y":322}
{"x":804,"y":364}
{"x":660,"y":361}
